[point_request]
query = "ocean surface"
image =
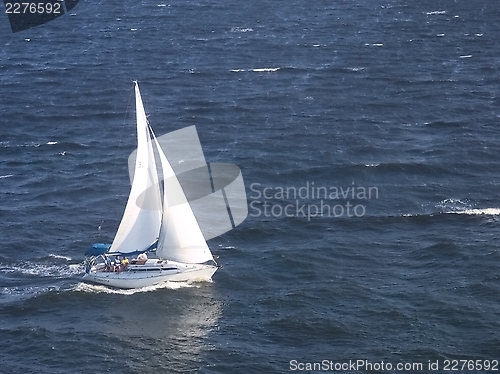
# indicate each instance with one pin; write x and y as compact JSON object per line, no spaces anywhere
{"x":368,"y":135}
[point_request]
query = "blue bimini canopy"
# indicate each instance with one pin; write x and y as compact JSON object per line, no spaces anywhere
{"x":100,"y":248}
{"x":97,"y":249}
{"x":152,"y":247}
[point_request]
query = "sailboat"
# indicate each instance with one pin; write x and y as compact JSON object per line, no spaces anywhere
{"x":150,"y":223}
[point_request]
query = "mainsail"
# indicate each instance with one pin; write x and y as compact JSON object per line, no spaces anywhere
{"x":140,"y":224}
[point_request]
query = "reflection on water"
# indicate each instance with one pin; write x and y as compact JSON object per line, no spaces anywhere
{"x":165,"y":330}
{"x":168,"y":325}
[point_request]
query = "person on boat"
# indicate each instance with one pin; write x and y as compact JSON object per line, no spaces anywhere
{"x":107,"y":263}
{"x":142,"y":258}
{"x":124,"y":263}
{"x":116,"y":264}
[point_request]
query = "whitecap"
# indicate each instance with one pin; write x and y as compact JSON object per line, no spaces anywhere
{"x":21,"y":292}
{"x":227,"y":247}
{"x":51,"y":143}
{"x":259,"y":70}
{"x":466,"y":56}
{"x":94,"y":288}
{"x":436,"y":12}
{"x":241,"y":29}
{"x":486,"y":211}
{"x":57,"y":271}
{"x":59,"y":256}
{"x":6,"y":176}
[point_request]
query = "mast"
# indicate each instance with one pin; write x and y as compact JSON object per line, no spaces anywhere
{"x":141,"y":220}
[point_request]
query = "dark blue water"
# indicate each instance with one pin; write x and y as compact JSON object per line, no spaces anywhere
{"x":398,"y":96}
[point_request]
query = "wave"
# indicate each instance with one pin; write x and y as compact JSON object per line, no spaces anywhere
{"x":265,"y":69}
{"x":257,"y":70}
{"x":60,"y":257}
{"x":436,"y":12}
{"x":456,"y":206}
{"x":6,"y":176}
{"x":485,"y":211}
{"x":56,"y":271}
{"x":94,"y":288}
{"x":65,"y":144}
{"x":241,"y":29}
{"x":19,"y":293}
{"x":226,"y":247}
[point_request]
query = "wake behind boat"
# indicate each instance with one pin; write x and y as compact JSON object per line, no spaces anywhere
{"x":149,"y":224}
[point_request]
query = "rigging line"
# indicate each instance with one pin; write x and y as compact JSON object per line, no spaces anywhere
{"x":122,"y":129}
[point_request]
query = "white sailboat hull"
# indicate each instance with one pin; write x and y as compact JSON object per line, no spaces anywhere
{"x":138,"y":276}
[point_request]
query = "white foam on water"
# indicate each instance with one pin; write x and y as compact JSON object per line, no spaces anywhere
{"x":59,"y":256}
{"x":6,"y":176}
{"x":227,"y":246}
{"x":95,"y":288}
{"x":241,"y":29}
{"x":51,"y":143}
{"x":436,"y":12}
{"x":25,"y":292}
{"x":260,"y":70}
{"x":29,"y":268}
{"x":457,"y":206}
{"x":486,"y":211}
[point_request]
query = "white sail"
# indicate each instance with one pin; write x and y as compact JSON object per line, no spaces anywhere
{"x":140,"y":224}
{"x":180,"y":237}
